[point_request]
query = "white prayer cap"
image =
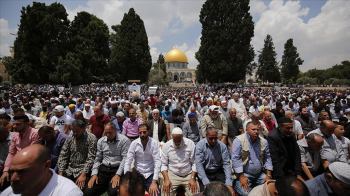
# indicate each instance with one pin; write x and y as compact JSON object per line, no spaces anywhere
{"x":2,"y":111}
{"x":177,"y":130}
{"x":120,"y":114}
{"x":209,"y":99}
{"x":87,"y":105}
{"x":341,"y":171}
{"x":114,"y":102}
{"x":155,"y":110}
{"x":223,"y":102}
{"x":214,"y":108}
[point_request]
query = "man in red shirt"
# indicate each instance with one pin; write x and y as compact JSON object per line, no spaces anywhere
{"x":152,"y":100}
{"x":270,"y":124}
{"x":98,"y":121}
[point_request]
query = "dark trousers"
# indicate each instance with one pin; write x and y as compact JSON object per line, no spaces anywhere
{"x":213,"y":176}
{"x":148,"y":183}
{"x":72,"y":178}
{"x":104,"y":176}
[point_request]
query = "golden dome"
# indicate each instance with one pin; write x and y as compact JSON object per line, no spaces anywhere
{"x":175,"y":55}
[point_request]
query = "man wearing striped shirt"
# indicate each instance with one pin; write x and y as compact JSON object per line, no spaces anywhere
{"x":77,"y":155}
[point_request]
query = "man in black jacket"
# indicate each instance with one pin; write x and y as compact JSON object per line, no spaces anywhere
{"x":284,"y":150}
{"x":157,"y":127}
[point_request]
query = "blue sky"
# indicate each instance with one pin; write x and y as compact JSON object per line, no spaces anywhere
{"x":319,"y":27}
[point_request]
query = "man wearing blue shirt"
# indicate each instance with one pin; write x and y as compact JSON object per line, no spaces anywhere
{"x":212,"y":161}
{"x":250,"y":154}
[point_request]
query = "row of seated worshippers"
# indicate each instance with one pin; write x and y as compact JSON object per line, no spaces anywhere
{"x":97,"y":165}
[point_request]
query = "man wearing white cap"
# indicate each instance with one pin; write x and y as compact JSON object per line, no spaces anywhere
{"x":224,"y":110}
{"x":88,"y":112}
{"x":178,"y":164}
{"x":216,"y":120}
{"x":157,"y":127}
{"x":237,"y":103}
{"x":119,"y":122}
{"x":61,"y":121}
{"x":335,"y":181}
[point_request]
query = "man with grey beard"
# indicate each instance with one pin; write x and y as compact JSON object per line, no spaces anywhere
{"x":178,"y":164}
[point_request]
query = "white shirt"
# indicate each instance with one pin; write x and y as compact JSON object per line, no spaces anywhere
{"x":155,"y":130}
{"x":147,"y":161}
{"x":253,"y":109}
{"x":297,"y":129}
{"x":57,"y":186}
{"x":88,"y":114}
{"x":60,"y":122}
{"x":179,"y":161}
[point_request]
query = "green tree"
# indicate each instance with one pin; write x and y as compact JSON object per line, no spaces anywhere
{"x":87,"y":59}
{"x":42,"y":39}
{"x":306,"y":80}
{"x":160,"y":62}
{"x":158,"y":78}
{"x":290,"y":61}
{"x":225,"y":52}
{"x":267,"y":64}
{"x":131,"y":58}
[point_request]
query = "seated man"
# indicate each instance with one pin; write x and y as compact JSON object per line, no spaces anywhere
{"x":297,"y":129}
{"x":5,"y":142}
{"x":269,"y":123}
{"x":284,"y":150}
{"x":212,"y":161}
{"x":216,"y":120}
{"x":158,"y":127}
{"x":310,"y":155}
{"x":108,"y":167}
{"x":23,"y":136}
{"x":145,"y":152}
{"x":332,"y":150}
{"x":255,"y":118}
{"x":250,"y":154}
{"x":178,"y":164}
{"x":283,"y":186}
{"x":191,"y":128}
{"x":53,"y":140}
{"x":77,"y":155}
{"x":335,"y":181}
{"x":172,"y":121}
{"x":37,"y":178}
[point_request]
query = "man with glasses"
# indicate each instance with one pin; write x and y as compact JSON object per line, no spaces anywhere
{"x":212,"y":161}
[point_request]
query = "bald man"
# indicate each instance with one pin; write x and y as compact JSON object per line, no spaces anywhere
{"x":332,"y":150}
{"x":31,"y":175}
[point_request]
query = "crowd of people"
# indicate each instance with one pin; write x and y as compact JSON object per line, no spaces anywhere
{"x":207,"y":140}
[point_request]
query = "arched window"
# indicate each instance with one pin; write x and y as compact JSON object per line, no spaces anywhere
{"x":182,"y":75}
{"x":170,"y":75}
{"x":189,"y":75}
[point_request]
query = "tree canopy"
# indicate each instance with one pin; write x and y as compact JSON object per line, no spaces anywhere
{"x":89,"y":51}
{"x":225,"y":52}
{"x":130,"y":57}
{"x":41,"y":40}
{"x":290,"y":61}
{"x":267,"y":63}
{"x":338,"y":71}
